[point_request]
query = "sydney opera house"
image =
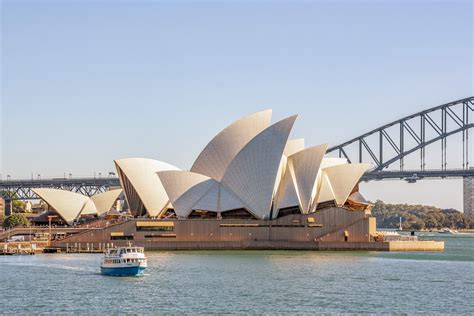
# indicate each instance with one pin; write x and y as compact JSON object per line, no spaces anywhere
{"x":250,"y":187}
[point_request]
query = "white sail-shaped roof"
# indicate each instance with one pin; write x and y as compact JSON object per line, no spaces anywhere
{"x":190,"y":191}
{"x":222,"y":149}
{"x":343,"y":179}
{"x":332,"y":161}
{"x":69,"y":205}
{"x":142,"y":187}
{"x":66,"y":203}
{"x":286,"y":196}
{"x":229,"y":201}
{"x":210,"y":200}
{"x":103,"y":202}
{"x":293,"y":146}
{"x":218,"y":199}
{"x":185,"y":188}
{"x":304,"y":167}
{"x":252,"y":173}
{"x":325,"y":193}
{"x":284,"y":191}
{"x":89,"y":208}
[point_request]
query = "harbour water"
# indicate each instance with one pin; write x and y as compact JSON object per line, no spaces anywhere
{"x":247,"y":282}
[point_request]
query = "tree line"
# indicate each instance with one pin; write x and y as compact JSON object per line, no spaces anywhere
{"x":418,"y":217}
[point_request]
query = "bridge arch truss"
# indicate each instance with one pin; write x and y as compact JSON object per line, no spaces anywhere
{"x":411,"y":134}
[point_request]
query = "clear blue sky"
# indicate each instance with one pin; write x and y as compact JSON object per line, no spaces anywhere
{"x":86,"y":82}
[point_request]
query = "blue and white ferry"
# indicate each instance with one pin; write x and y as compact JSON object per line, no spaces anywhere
{"x":124,"y":261}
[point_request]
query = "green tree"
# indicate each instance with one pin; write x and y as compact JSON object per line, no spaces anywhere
{"x":15,"y":220}
{"x":419,"y":217}
{"x":17,"y":204}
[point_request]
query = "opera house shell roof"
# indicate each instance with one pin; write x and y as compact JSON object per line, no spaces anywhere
{"x":70,"y":205}
{"x":250,"y":166}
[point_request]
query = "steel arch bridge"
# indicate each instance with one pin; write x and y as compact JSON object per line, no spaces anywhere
{"x":413,"y":133}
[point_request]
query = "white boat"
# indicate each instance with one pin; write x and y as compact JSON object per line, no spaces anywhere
{"x":448,"y":231}
{"x":124,"y":261}
{"x":388,"y":232}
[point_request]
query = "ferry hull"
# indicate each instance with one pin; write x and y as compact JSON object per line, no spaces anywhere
{"x":123,"y":271}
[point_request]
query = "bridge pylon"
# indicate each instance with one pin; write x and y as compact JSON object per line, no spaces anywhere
{"x":468,"y":192}
{"x":8,"y":207}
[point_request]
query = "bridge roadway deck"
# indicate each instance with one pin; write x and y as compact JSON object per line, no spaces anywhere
{"x":417,"y":174}
{"x":57,"y":182}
